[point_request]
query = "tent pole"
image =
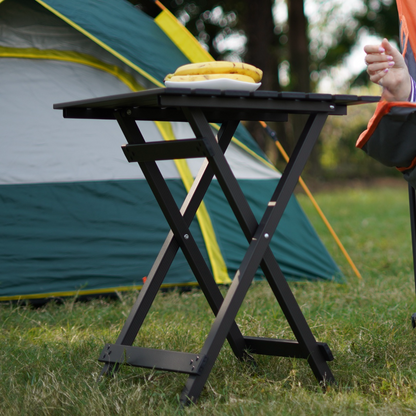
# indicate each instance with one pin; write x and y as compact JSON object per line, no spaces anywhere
{"x":273,"y":135}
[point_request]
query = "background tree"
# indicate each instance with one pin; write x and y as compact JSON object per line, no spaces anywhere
{"x":298,"y":46}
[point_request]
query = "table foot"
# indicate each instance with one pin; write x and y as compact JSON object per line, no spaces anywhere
{"x":108,"y":370}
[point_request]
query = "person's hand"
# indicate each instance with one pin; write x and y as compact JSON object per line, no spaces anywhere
{"x":386,"y":67}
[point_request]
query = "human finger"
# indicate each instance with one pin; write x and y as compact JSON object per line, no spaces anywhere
{"x":378,"y":76}
{"x":393,"y":52}
{"x":379,"y":66}
{"x":374,"y":49}
{"x":372,"y":58}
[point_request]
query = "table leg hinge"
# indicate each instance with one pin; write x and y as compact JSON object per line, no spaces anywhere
{"x":197,"y":365}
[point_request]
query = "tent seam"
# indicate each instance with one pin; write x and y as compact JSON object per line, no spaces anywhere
{"x":74,"y":57}
{"x":101,"y":43}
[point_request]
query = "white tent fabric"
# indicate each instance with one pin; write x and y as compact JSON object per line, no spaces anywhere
{"x":52,"y":149}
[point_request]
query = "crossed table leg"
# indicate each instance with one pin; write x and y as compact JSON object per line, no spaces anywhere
{"x":258,"y":235}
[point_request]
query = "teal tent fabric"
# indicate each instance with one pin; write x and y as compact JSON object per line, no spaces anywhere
{"x":83,"y":236}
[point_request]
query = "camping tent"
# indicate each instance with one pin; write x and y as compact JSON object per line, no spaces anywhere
{"x":75,"y":217}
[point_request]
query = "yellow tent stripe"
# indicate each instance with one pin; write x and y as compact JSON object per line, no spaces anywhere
{"x":86,"y":292}
{"x":75,"y":57}
{"x":194,"y":51}
{"x":102,"y":44}
{"x":219,"y":268}
{"x":181,"y":37}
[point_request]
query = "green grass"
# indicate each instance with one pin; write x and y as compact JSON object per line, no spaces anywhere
{"x":48,"y":356}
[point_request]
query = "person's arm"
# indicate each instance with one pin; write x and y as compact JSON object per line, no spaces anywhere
{"x":386,"y":67}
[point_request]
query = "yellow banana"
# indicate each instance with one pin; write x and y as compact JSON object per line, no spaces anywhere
{"x":205,"y":77}
{"x":221,"y":67}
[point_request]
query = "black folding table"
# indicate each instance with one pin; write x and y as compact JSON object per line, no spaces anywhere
{"x":227,"y":108}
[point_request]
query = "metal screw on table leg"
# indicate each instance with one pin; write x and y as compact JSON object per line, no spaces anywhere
{"x":266,"y":236}
{"x":128,"y":112}
{"x":186,"y":236}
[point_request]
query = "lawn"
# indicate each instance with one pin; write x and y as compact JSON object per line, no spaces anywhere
{"x":49,"y":355}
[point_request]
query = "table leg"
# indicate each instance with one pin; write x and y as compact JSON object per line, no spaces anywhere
{"x":412,"y":212}
{"x":259,"y":251}
{"x":271,"y":219}
{"x":171,"y":245}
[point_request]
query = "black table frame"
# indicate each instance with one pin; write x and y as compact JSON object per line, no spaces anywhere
{"x":200,"y":108}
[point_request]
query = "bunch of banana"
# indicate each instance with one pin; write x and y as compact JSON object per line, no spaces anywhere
{"x":216,"y":70}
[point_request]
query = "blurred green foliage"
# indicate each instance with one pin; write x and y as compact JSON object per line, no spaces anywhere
{"x":340,"y":159}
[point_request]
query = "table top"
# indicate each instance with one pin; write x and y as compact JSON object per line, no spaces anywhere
{"x":165,"y":104}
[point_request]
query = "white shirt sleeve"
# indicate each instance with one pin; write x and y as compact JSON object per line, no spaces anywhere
{"x":412,"y":96}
